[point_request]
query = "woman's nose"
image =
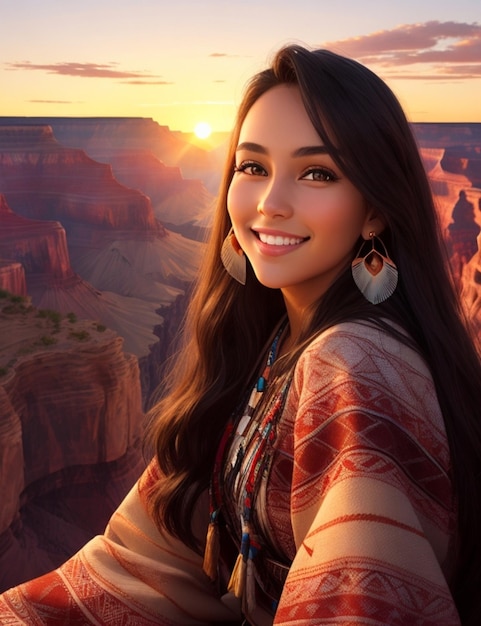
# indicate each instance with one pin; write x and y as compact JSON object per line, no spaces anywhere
{"x":274,"y":200}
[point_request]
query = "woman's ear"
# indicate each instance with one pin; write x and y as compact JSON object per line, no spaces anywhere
{"x":374,"y":223}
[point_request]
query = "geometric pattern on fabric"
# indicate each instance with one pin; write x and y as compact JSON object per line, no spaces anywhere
{"x":83,"y":601}
{"x":362,"y":411}
{"x":341,"y":592}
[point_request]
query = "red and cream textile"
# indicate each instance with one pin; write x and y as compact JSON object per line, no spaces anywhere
{"x":132,"y":575}
{"x":370,"y":495}
{"x":358,"y":496}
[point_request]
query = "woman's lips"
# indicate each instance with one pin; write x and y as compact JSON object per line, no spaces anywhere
{"x":279,"y":240}
{"x":275,"y":243}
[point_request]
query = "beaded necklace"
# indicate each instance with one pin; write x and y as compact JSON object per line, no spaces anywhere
{"x":253,"y":449}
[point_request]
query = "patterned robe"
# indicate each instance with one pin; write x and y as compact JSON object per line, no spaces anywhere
{"x":358,"y":497}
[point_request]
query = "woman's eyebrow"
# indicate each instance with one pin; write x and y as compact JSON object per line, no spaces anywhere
{"x":310,"y":150}
{"x":251,"y":147}
{"x":300,"y":152}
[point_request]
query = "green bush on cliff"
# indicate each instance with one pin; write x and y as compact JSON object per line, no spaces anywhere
{"x":47,"y":340}
{"x":81,"y":335}
{"x":52,"y":316}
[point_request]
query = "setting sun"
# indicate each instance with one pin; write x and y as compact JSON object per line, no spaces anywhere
{"x":202,"y":130}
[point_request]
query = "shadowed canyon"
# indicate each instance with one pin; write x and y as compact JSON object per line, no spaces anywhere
{"x":102,"y":223}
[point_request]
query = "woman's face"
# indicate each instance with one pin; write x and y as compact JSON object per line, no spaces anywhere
{"x":295,"y":214}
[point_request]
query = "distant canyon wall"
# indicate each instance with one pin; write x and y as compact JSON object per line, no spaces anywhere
{"x":118,"y":262}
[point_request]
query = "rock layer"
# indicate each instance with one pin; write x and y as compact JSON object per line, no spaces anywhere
{"x":43,"y":179}
{"x":70,"y":430}
{"x":41,"y":248}
{"x":12,"y":277}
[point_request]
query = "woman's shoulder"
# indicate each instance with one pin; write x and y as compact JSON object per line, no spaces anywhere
{"x":354,"y":341}
{"x":365,"y":356}
{"x":362,"y":369}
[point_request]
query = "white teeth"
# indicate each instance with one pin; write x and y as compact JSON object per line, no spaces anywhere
{"x":277,"y":240}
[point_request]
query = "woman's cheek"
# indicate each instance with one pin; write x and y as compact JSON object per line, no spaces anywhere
{"x":238,"y":201}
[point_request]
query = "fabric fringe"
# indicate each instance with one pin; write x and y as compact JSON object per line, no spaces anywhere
{"x":237,"y":580}
{"x":212,"y":551}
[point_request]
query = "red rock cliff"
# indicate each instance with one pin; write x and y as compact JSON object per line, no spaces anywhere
{"x":40,"y":246}
{"x":104,"y":136}
{"x":43,"y":179}
{"x":12,"y":277}
{"x":176,"y":201}
{"x":71,"y":423}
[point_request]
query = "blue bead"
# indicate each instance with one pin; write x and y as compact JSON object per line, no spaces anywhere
{"x":261,"y":384}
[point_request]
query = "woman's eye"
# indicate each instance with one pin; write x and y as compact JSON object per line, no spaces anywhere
{"x":319,"y":174}
{"x":251,"y":168}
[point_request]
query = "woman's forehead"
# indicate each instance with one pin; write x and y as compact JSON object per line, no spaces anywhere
{"x":279,"y":115}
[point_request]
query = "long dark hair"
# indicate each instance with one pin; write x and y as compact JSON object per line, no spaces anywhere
{"x":366,"y":132}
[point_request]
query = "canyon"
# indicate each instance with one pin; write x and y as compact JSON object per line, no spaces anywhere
{"x":102,"y":223}
{"x":114,"y":259}
{"x":71,"y":424}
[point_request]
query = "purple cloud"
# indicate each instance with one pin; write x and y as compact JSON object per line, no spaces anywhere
{"x":55,"y":102}
{"x":83,"y":70}
{"x":147,"y":82}
{"x":225,"y":55}
{"x":453,"y":49}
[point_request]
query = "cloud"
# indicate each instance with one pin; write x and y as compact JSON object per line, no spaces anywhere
{"x":83,"y":70}
{"x":451,"y":49}
{"x":147,"y":82}
{"x":225,"y":55}
{"x":55,"y":102}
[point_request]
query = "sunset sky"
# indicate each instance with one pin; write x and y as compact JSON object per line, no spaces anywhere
{"x":185,"y":61}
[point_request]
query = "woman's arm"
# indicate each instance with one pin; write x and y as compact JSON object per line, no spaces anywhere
{"x":371,"y":498}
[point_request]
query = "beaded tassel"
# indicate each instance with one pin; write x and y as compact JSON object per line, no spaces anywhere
{"x":242,"y":583}
{"x":212,"y":548}
{"x":212,"y":542}
{"x":238,"y":577}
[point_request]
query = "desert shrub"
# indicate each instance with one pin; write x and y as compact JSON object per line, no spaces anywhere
{"x":47,"y":340}
{"x":80,"y":335}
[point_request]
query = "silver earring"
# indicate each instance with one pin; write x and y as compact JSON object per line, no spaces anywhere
{"x":233,"y":258}
{"x":375,"y":274}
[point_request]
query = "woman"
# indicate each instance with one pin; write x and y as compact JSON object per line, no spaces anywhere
{"x":321,"y":424}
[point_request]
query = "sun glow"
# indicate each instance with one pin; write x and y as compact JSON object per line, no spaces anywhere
{"x":202,"y":130}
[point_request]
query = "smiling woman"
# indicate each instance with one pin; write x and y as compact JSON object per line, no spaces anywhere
{"x":295,"y":214}
{"x":317,"y":449}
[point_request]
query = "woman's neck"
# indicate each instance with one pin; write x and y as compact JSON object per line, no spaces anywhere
{"x":297,"y":319}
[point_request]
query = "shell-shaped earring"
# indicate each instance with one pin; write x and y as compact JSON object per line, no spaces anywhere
{"x":233,"y":258}
{"x":375,"y":274}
